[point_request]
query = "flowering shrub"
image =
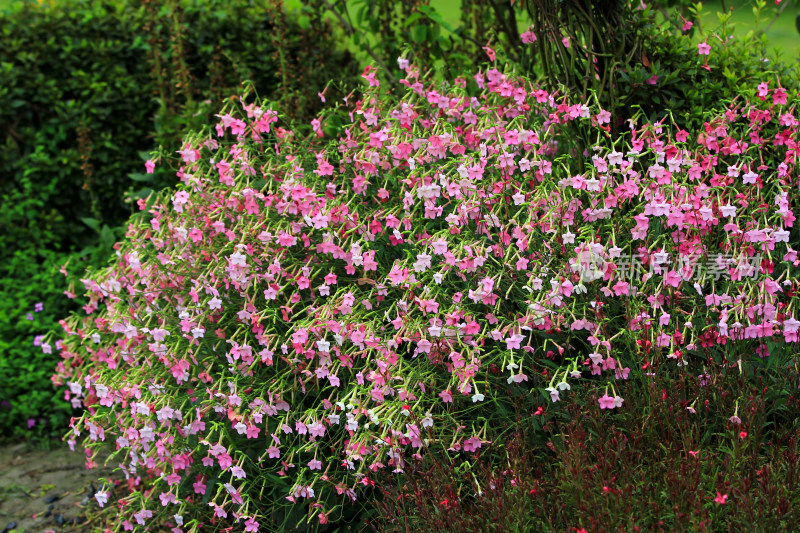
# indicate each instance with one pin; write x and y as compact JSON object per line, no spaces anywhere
{"x":307,"y":311}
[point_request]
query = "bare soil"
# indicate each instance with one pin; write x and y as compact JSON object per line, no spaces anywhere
{"x":47,"y":491}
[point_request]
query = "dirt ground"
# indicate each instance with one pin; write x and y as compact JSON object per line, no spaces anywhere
{"x":47,"y":491}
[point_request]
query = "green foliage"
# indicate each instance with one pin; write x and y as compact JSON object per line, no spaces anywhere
{"x":384,"y":30}
{"x":669,"y":74}
{"x":88,"y":89}
{"x":628,"y":56}
{"x":669,"y":456}
{"x":25,"y":370}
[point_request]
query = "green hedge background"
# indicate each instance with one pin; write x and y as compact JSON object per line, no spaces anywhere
{"x":88,"y":90}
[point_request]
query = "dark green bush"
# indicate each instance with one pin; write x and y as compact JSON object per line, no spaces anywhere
{"x":87,"y":87}
{"x":86,"y":90}
{"x":29,"y":404}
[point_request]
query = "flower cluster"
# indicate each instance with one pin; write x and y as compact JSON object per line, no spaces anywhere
{"x":305,"y":310}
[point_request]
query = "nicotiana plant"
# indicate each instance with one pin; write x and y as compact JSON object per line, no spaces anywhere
{"x":308,"y":309}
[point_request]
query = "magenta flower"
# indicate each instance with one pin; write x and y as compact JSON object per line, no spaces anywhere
{"x":703,"y":48}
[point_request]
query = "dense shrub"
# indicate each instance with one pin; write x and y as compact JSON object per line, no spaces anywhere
{"x":86,"y":88}
{"x":309,"y":310}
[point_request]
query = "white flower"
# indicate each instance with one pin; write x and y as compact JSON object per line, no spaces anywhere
{"x":238,"y":259}
{"x":750,"y":177}
{"x":477,"y":397}
{"x":553,"y":394}
{"x":101,"y":497}
{"x":728,"y":210}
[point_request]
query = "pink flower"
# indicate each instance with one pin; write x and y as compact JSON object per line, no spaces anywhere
{"x":779,"y":96}
{"x":763,"y":90}
{"x":149,"y":166}
{"x":703,"y":48}
{"x":472,"y":444}
{"x":528,"y":37}
{"x":606,"y":402}
{"x":250,"y":525}
{"x":672,"y":278}
{"x":224,"y":460}
{"x":514,"y":342}
{"x":565,"y":42}
{"x":720,"y":499}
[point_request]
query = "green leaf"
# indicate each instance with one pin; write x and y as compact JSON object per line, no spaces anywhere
{"x":93,"y":223}
{"x":435,"y":16}
{"x":412,"y":19}
{"x":419,"y":33}
{"x":136,"y":176}
{"x":107,"y":237}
